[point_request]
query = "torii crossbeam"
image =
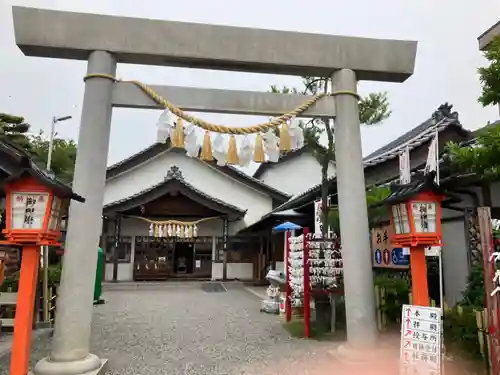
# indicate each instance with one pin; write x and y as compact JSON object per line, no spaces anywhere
{"x":107,"y":40}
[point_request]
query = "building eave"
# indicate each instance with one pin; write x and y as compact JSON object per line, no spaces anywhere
{"x":487,"y":37}
{"x":285,"y":157}
{"x":174,"y":182}
{"x":263,"y":167}
{"x":440,"y":120}
{"x":17,"y":163}
{"x":159,"y":148}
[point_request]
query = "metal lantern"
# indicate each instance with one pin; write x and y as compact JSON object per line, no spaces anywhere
{"x":33,"y":211}
{"x":415,"y":214}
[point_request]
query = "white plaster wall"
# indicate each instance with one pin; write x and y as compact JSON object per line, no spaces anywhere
{"x":125,"y":272}
{"x":495,"y":194}
{"x":455,"y":261}
{"x":202,"y":176}
{"x":241,"y":271}
{"x":296,"y":175}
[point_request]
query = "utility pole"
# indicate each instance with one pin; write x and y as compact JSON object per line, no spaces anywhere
{"x":45,"y":249}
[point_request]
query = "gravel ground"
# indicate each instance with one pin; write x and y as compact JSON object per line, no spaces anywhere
{"x":182,"y":329}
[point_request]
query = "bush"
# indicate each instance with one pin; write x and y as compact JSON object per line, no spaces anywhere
{"x":473,"y":294}
{"x":461,"y":332}
{"x":12,"y":282}
{"x":397,"y":292}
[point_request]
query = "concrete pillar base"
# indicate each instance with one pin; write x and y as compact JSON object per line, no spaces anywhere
{"x":90,"y":365}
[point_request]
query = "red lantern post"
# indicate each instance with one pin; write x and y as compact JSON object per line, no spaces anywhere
{"x":33,"y":215}
{"x":416,"y":219}
{"x":288,"y":290}
{"x":307,"y":286}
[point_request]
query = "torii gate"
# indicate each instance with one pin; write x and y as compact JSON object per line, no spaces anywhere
{"x":107,"y":40}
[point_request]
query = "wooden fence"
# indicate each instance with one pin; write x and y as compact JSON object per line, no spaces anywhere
{"x":8,"y":302}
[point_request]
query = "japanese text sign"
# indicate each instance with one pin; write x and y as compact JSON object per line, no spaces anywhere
{"x":384,"y":255}
{"x":318,"y":214}
{"x":421,"y":340}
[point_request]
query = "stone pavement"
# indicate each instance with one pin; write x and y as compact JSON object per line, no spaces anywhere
{"x":184,"y":328}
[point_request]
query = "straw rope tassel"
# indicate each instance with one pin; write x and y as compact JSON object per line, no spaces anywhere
{"x":258,"y":155}
{"x":206,"y":149}
{"x":179,"y":133}
{"x":174,"y":138}
{"x":232,"y":153}
{"x":285,"y":141}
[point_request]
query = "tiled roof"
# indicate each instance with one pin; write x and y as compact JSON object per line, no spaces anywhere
{"x":440,"y":120}
{"x":17,"y":162}
{"x":174,"y":175}
{"x":285,"y":157}
{"x":158,"y":148}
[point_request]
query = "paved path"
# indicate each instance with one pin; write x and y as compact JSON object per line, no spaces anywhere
{"x":179,"y":328}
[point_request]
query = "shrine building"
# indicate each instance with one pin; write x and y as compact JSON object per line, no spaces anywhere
{"x":172,"y":216}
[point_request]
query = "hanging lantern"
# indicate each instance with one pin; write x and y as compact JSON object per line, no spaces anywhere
{"x":34,"y":211}
{"x":415,"y":213}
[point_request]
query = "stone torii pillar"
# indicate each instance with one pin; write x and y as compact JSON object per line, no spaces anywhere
{"x":106,"y":40}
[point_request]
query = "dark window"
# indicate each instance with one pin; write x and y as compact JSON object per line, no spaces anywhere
{"x":239,"y":248}
{"x":124,"y":249}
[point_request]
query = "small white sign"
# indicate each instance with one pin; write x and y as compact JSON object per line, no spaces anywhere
{"x":317,"y":216}
{"x":432,"y":251}
{"x":420,"y":340}
{"x":198,"y":263}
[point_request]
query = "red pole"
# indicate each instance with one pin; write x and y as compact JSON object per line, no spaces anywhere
{"x":419,"y":287}
{"x":288,"y":294}
{"x":23,"y":321}
{"x":307,"y":295}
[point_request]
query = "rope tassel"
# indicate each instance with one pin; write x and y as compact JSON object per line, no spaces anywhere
{"x":206,"y":150}
{"x":285,"y":141}
{"x":232,"y":153}
{"x":258,"y":155}
{"x":178,"y":140}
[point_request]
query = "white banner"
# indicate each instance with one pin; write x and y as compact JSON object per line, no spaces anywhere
{"x":317,"y":215}
{"x":404,"y":166}
{"x":432,"y":163}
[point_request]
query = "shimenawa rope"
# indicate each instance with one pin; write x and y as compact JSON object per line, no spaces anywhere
{"x":259,"y":128}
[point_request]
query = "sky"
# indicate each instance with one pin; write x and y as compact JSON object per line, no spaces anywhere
{"x":445,"y":71}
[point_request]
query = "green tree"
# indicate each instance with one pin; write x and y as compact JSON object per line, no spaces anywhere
{"x":373,"y":109}
{"x":489,"y":76}
{"x":14,"y":130}
{"x":374,"y":195}
{"x":63,"y":155}
{"x":483,"y":157}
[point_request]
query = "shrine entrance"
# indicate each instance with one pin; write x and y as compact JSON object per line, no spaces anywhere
{"x":164,"y":258}
{"x":173,"y":225}
{"x":183,"y":258}
{"x":104,"y":41}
